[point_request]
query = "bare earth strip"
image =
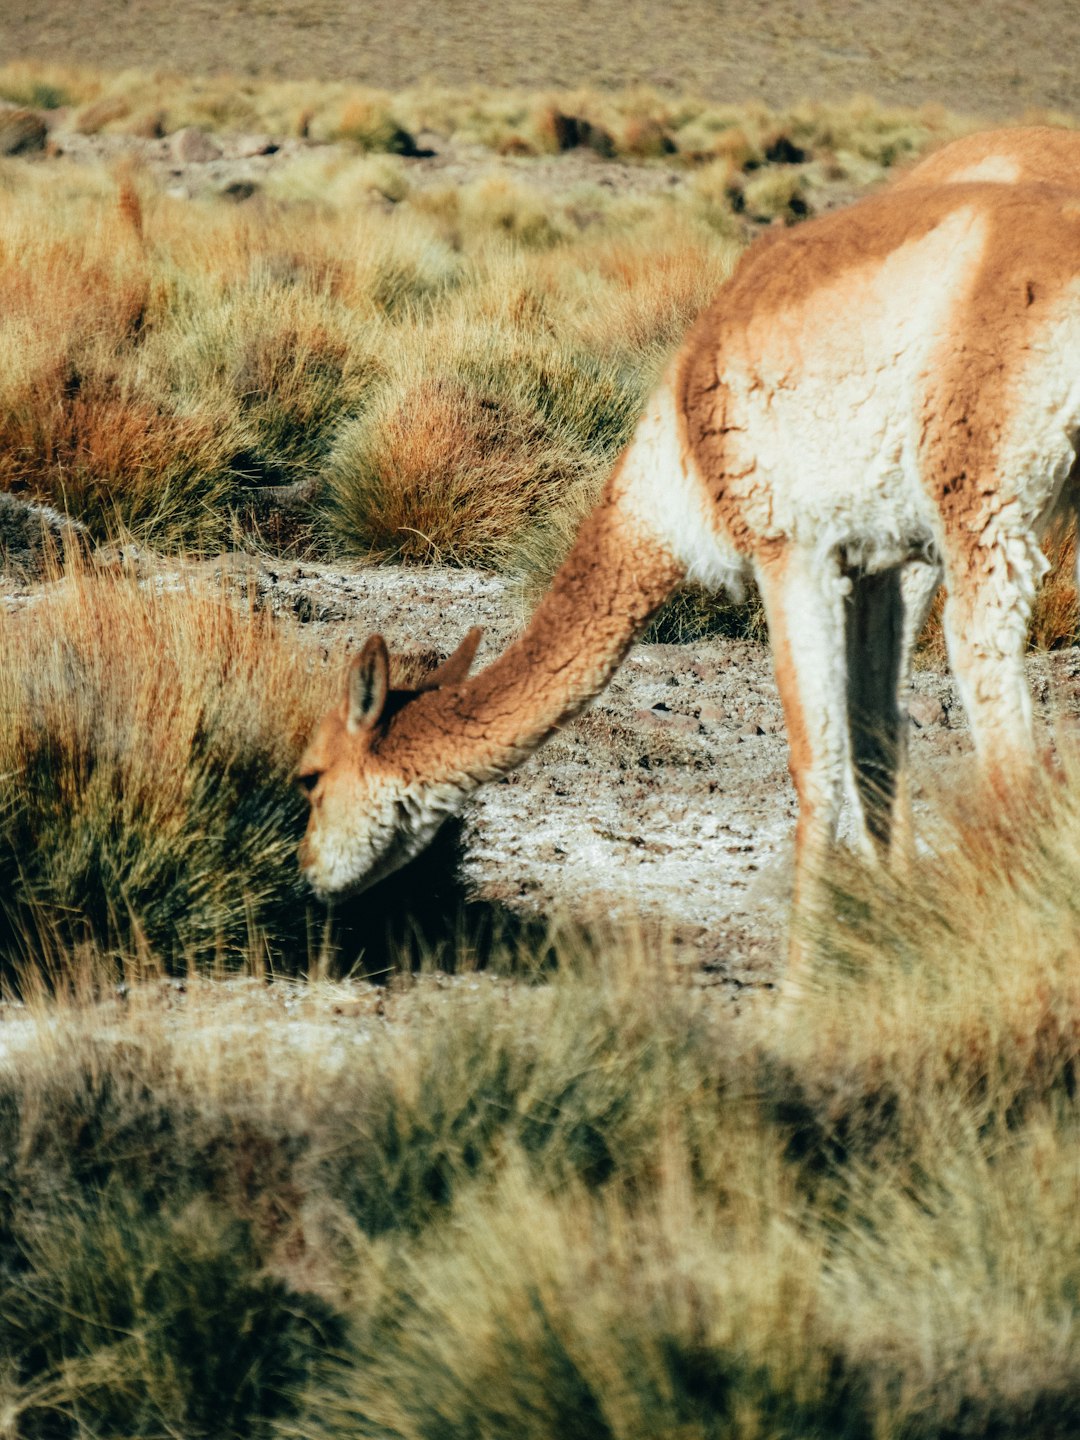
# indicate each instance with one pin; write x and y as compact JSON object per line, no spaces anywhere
{"x":995,"y":59}
{"x":669,"y":801}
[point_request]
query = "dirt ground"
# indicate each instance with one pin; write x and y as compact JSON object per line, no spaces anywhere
{"x":244,"y":163}
{"x":669,"y":800}
{"x":994,"y":59}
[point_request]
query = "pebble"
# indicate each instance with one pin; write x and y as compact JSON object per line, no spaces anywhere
{"x":926,"y":711}
{"x":191,"y":146}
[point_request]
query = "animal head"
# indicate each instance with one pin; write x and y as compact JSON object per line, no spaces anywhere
{"x":371,"y":808}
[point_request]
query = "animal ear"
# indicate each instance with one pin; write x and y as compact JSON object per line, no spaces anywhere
{"x":456,"y":668}
{"x":367,"y":686}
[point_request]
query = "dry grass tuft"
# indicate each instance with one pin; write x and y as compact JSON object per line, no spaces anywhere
{"x":504,"y":406}
{"x":436,"y":473}
{"x":146,"y":755}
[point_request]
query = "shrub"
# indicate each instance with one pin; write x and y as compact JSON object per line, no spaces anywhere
{"x":480,"y":431}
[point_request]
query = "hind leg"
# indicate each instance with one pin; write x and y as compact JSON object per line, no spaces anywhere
{"x":986,"y":623}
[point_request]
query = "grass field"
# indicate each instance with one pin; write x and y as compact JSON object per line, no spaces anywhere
{"x":574,"y":1194}
{"x":595,"y":1204}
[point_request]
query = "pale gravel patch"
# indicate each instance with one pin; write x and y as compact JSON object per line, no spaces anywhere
{"x":258,"y":160}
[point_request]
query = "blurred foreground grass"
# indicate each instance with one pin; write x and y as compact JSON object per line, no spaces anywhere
{"x":596,"y":1204}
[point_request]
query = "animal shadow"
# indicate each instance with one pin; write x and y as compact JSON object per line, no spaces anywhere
{"x":424,"y":916}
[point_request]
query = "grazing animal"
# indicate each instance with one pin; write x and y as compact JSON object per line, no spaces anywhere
{"x":879,"y":400}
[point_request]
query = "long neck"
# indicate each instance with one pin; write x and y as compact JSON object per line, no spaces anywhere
{"x":600,"y":600}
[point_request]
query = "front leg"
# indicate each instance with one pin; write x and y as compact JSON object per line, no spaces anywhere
{"x":804,"y":602}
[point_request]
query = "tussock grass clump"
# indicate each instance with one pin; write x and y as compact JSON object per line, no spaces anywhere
{"x":282,"y":362}
{"x":954,"y":992}
{"x":437,"y":473}
{"x":604,"y":1318}
{"x":147,"y":746}
{"x":151,"y":1323}
{"x":503,"y":410}
{"x":165,"y":363}
{"x":46,"y":86}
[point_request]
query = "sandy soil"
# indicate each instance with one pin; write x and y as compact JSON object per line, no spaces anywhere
{"x":995,"y":59}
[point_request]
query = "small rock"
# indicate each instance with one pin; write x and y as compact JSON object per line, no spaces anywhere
{"x":239,"y":190}
{"x":661,"y":718}
{"x":750,"y":730}
{"x":33,"y":536}
{"x":248,"y":146}
{"x":516,"y":145}
{"x":194,"y":147}
{"x":925,"y":711}
{"x":711,"y":713}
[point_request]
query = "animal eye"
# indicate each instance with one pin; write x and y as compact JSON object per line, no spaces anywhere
{"x":308,"y":780}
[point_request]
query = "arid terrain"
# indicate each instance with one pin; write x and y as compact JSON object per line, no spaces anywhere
{"x":527,"y":1142}
{"x":994,"y":61}
{"x":669,"y":802}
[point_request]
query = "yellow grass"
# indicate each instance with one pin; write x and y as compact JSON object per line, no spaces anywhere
{"x":146,"y":755}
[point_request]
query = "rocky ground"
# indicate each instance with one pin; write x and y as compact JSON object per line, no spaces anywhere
{"x":193,"y":164}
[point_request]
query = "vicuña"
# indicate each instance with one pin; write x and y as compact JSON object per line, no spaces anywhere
{"x":879,"y":401}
